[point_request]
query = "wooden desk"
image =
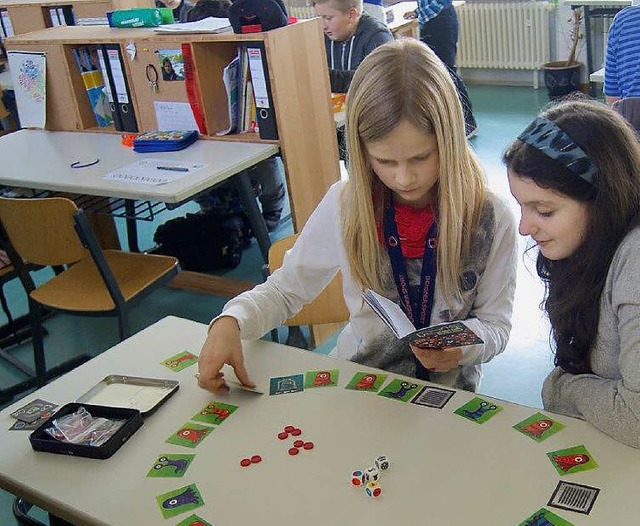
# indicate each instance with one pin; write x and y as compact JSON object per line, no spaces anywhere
{"x":446,"y":470}
{"x":399,"y":26}
{"x":39,"y":159}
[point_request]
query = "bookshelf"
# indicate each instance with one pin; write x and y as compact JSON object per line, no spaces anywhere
{"x":32,"y":15}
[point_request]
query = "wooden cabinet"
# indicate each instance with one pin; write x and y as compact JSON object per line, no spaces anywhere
{"x":297,"y":72}
{"x":32,"y":15}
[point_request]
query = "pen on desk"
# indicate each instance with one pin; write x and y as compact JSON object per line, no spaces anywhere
{"x":173,"y":168}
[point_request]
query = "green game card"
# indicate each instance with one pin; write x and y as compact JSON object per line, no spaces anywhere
{"x":194,"y":520}
{"x":180,"y":361}
{"x":572,"y":460}
{"x":544,"y":517}
{"x":321,"y":378}
{"x":367,"y":382}
{"x":400,"y":390}
{"x":167,"y":465}
{"x":179,"y":500}
{"x":539,"y":427}
{"x":214,"y":413}
{"x":189,"y":435}
{"x":478,"y":410}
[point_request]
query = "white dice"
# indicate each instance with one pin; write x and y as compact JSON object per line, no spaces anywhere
{"x":382,"y":463}
{"x":371,"y":474}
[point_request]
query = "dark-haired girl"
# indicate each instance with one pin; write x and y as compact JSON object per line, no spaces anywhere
{"x":575,"y":171}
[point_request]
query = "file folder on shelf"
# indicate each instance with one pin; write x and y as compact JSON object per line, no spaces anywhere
{"x":120,"y":100}
{"x":265,"y":112}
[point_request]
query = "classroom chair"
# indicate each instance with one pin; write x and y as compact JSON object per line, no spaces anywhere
{"x":92,"y":282}
{"x":327,"y":307}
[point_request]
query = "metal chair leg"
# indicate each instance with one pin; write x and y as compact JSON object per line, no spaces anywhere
{"x":38,"y":343}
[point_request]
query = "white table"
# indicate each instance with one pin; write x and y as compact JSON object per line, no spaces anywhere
{"x":597,"y":76}
{"x":446,"y":470}
{"x":42,"y":160}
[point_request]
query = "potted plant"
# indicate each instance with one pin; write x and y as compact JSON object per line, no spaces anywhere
{"x":563,"y":77}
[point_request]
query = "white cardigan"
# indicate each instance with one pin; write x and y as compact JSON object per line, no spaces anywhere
{"x":319,"y":253}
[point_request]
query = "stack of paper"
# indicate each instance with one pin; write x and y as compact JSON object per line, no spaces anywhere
{"x":206,"y":25}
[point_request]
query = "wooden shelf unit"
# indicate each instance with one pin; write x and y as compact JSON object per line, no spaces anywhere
{"x":33,"y":15}
{"x":297,"y":70}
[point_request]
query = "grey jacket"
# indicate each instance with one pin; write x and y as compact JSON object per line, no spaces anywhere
{"x":345,"y":57}
{"x":609,"y":398}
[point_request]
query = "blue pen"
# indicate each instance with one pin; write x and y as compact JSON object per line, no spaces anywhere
{"x":173,"y":168}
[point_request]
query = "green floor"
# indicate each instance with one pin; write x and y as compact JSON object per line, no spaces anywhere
{"x":516,"y":375}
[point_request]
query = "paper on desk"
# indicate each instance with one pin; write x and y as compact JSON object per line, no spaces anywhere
{"x":174,"y":116}
{"x":206,"y":25}
{"x":154,"y":171}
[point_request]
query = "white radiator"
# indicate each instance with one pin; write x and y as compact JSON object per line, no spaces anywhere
{"x":504,"y":35}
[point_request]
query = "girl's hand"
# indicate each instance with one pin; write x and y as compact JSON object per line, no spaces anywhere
{"x":222,"y":346}
{"x":438,"y":361}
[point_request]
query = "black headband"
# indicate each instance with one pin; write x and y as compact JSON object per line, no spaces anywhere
{"x":547,"y":137}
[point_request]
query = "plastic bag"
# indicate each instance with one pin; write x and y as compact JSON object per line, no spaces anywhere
{"x":83,"y":429}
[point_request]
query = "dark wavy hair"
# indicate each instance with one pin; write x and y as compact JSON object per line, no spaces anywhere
{"x":574,"y":285}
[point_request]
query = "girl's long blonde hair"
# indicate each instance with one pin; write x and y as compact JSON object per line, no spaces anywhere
{"x":405,"y":80}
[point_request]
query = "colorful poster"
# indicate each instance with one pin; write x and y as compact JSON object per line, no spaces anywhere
{"x":28,"y":72}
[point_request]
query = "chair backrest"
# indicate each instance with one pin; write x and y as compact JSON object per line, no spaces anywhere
{"x":41,"y":230}
{"x":327,"y":307}
{"x":629,"y":108}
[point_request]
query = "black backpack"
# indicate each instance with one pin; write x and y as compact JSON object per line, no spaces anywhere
{"x":204,"y":242}
{"x":268,"y":14}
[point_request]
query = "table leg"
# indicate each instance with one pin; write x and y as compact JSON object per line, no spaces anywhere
{"x":245,"y":191}
{"x":132,"y":227}
{"x":587,"y":36}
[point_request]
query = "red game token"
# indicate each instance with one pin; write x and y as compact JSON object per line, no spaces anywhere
{"x":295,"y":432}
{"x":298,"y":443}
{"x":245,"y":462}
{"x":293,"y":451}
{"x":283,"y":435}
{"x":256,"y":458}
{"x":288,"y":429}
{"x":308,"y":445}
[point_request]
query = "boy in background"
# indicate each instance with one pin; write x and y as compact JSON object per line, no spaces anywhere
{"x":349,"y":36}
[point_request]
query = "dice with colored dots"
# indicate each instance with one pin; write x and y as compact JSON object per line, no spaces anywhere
{"x":373,"y":489}
{"x":358,"y":478}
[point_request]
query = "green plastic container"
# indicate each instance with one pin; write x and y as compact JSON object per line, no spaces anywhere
{"x":142,"y":17}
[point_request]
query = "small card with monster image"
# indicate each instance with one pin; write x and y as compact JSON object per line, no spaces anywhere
{"x":539,"y":427}
{"x":367,"y":381}
{"x":327,"y":378}
{"x":544,"y":517}
{"x":478,"y":410}
{"x":179,"y":501}
{"x":572,"y":460}
{"x":214,"y":413}
{"x":189,"y":435}
{"x":400,"y":390}
{"x":167,"y":465}
{"x":180,"y":361}
{"x":286,"y":384}
{"x":194,"y":520}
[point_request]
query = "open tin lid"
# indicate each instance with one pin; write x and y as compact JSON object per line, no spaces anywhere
{"x":143,"y":394}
